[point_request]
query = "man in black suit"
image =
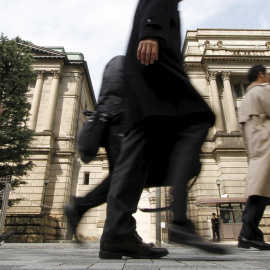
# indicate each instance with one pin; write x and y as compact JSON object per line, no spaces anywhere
{"x":215,"y":227}
{"x":110,"y":103}
{"x":167,"y":122}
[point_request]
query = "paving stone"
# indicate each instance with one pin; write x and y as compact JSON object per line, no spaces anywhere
{"x":65,"y":256}
{"x":102,"y":266}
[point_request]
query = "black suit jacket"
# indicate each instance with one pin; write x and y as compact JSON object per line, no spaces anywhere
{"x":162,"y":88}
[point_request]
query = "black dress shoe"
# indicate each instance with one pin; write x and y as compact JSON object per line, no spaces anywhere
{"x":151,"y":244}
{"x":246,"y":243}
{"x":185,"y":234}
{"x":4,"y":236}
{"x":132,"y":247}
{"x":73,"y":219}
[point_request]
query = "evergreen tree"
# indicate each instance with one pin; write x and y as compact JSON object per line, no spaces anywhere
{"x":15,"y":137}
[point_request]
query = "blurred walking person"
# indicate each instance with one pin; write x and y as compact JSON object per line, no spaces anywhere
{"x":254,"y":117}
{"x":110,"y":103}
{"x":167,"y":122}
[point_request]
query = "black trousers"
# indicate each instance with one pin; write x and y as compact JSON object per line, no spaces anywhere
{"x":252,"y":216}
{"x":215,"y":233}
{"x":99,"y":195}
{"x":131,"y":172}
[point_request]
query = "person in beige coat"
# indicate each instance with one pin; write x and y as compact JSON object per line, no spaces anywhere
{"x":254,"y":117}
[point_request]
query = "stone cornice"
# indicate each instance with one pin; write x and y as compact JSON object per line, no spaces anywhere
{"x":235,"y":59}
{"x":235,"y":56}
{"x":43,"y":50}
{"x":193,"y":64}
{"x":237,"y":51}
{"x":225,"y":135}
{"x":229,"y":36}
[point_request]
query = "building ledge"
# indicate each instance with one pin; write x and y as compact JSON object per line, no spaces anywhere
{"x":217,"y":201}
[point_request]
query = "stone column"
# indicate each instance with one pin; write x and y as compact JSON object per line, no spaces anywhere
{"x":36,"y":100}
{"x":229,"y":103}
{"x":211,"y":77}
{"x":52,"y":100}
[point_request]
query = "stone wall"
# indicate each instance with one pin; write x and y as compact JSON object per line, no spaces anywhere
{"x":31,"y":228}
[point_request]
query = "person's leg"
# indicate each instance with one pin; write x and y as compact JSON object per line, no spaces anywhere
{"x":119,"y":235}
{"x":261,"y":208}
{"x":250,"y":234}
{"x":214,"y":234}
{"x":252,"y":216}
{"x":218,"y":237}
{"x":184,"y":165}
{"x":81,"y":205}
{"x":94,"y":198}
{"x":98,"y":196}
{"x":127,"y":183}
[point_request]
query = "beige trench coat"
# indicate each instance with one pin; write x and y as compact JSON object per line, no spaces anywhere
{"x":254,"y":117}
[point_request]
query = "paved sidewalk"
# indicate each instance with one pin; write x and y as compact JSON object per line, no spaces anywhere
{"x":73,"y":256}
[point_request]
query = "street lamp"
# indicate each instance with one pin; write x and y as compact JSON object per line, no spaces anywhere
{"x":46,"y":182}
{"x":218,"y":184}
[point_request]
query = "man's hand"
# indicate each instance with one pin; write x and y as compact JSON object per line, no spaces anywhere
{"x":147,"y":51}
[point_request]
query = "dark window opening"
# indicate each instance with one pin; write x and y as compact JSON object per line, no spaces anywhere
{"x":86,"y":178}
{"x":237,"y":90}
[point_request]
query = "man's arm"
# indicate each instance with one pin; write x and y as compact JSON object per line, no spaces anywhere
{"x":155,"y":19}
{"x":154,"y":28}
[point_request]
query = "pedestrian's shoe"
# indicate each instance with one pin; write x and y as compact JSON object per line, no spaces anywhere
{"x":132,"y":247}
{"x":151,"y":244}
{"x":246,"y":243}
{"x":4,"y":236}
{"x":73,"y":219}
{"x":185,"y":234}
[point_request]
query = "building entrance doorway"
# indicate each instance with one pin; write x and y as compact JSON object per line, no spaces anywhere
{"x":229,"y":212}
{"x":230,"y":220}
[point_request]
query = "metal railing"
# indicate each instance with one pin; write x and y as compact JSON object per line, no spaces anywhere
{"x":5,"y":199}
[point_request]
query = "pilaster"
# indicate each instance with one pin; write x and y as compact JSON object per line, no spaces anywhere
{"x":211,"y":78}
{"x":230,"y":112}
{"x":36,"y":100}
{"x":52,"y":100}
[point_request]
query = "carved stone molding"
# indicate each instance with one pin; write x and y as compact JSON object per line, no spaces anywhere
{"x":219,"y":44}
{"x":211,"y":75}
{"x":267,"y":45}
{"x":56,"y":74}
{"x":40,"y":74}
{"x":225,"y":76}
{"x":207,"y":43}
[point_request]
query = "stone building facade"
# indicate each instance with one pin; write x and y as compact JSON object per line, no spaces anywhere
{"x":59,"y":95}
{"x":217,"y":61}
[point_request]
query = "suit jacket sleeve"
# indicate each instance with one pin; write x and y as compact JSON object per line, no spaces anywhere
{"x":156,"y":17}
{"x":111,"y":94}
